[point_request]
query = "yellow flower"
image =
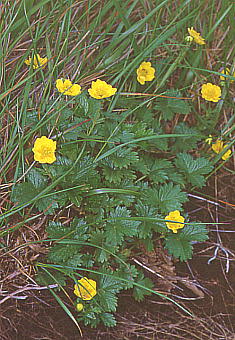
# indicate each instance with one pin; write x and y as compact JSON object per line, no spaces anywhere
{"x":100,"y":89}
{"x":66,"y":87}
{"x":219,"y":146}
{"x":174,"y":216}
{"x":211,"y":92}
{"x":145,"y":72}
{"x":196,"y":36}
{"x":227,"y":72}
{"x":44,"y":150}
{"x":37,"y":61}
{"x":85,"y":289}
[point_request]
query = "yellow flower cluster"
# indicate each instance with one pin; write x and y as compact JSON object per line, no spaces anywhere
{"x":219,"y":146}
{"x":178,"y":221}
{"x":66,"y":87}
{"x":99,"y":88}
{"x":85,"y":289}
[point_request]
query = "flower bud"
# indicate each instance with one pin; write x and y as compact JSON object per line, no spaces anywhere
{"x":79,"y":307}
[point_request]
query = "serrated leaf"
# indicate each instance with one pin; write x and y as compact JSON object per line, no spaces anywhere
{"x":147,"y":227}
{"x":36,"y":177}
{"x":167,"y":197}
{"x":170,"y":106}
{"x":157,"y":169}
{"x":179,"y":248}
{"x":129,"y":273}
{"x":60,"y":253}
{"x":140,"y":293}
{"x":108,"y":319}
{"x":185,"y":143}
{"x":193,"y":169}
{"x":57,"y":230}
{"x":116,"y":229}
{"x":75,"y":261}
{"x":56,"y":277}
{"x":102,"y":253}
{"x":107,"y":300}
{"x":94,"y":106}
{"x":124,"y":157}
{"x":116,"y":176}
{"x":47,"y":204}
{"x":82,"y":101}
{"x":23,"y":193}
{"x":194,"y":232}
{"x":109,"y":283}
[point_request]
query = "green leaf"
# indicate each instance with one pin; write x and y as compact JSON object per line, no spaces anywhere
{"x":167,"y":197}
{"x":47,"y":204}
{"x":129,"y":273}
{"x":147,"y":227}
{"x":61,"y":253}
{"x":140,"y":293}
{"x":116,"y":229}
{"x":99,"y":238}
{"x":193,"y":169}
{"x":57,"y":230}
{"x":157,"y":169}
{"x":194,"y":232}
{"x":107,"y":300}
{"x":56,"y":277}
{"x":114,"y":175}
{"x":170,"y":106}
{"x":23,"y":193}
{"x":185,"y":143}
{"x":179,"y":248}
{"x":124,"y":157}
{"x":108,"y":319}
{"x":82,"y":102}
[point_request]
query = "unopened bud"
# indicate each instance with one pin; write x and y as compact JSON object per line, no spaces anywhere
{"x":79,"y":307}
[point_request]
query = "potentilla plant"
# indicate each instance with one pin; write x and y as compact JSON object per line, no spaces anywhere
{"x":126,"y":181}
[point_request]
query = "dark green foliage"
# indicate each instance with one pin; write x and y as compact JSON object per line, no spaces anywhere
{"x":169,"y":106}
{"x":193,"y":169}
{"x":185,"y":143}
{"x":25,"y":192}
{"x":111,"y":170}
{"x":166,"y":197}
{"x":117,"y":227}
{"x":179,"y":247}
{"x":180,"y":244}
{"x":140,"y":293}
{"x":46,"y":278}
